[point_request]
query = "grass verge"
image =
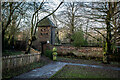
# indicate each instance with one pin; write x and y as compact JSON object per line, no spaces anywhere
{"x":70,"y":71}
{"x":17,"y":71}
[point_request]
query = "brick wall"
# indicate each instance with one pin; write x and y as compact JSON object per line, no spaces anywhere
{"x":44,"y":33}
{"x":83,"y":51}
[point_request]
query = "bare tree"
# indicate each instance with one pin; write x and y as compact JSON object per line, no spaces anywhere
{"x":35,"y":25}
{"x":12,"y":13}
{"x":67,"y":16}
{"x":103,"y":12}
{"x":8,"y":9}
{"x":106,"y":13}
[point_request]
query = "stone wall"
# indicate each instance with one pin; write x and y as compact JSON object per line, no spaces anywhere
{"x":11,"y":62}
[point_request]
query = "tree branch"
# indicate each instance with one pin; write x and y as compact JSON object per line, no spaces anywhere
{"x":47,"y":16}
{"x":34,"y":15}
{"x":90,"y":35}
{"x":99,"y":32}
{"x":10,"y":15}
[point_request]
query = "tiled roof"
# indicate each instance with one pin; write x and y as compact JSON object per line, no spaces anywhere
{"x":46,"y":23}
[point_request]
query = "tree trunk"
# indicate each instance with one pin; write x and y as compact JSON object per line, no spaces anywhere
{"x":3,"y":47}
{"x":107,"y":50}
{"x":28,"y":46}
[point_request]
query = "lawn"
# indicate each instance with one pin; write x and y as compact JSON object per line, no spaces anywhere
{"x":70,"y":59}
{"x":70,"y":71}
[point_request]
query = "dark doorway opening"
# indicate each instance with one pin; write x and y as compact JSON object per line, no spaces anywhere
{"x":43,"y":47}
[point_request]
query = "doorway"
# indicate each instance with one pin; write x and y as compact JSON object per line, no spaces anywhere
{"x":43,"y":45}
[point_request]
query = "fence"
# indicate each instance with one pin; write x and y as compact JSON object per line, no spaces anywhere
{"x":10,"y":62}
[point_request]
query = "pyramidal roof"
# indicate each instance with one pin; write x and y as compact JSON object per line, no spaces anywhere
{"x":46,"y":23}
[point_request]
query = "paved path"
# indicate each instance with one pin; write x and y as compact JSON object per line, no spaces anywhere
{"x":48,"y":70}
{"x":44,"y":72}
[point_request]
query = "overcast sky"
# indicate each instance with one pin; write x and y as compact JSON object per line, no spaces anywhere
{"x":55,"y":3}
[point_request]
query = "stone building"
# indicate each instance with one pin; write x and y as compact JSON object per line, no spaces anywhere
{"x":45,"y":35}
{"x":63,"y":35}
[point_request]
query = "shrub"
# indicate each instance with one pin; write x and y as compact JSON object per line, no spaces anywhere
{"x":78,"y":39}
{"x":48,"y":53}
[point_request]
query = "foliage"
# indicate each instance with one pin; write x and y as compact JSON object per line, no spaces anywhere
{"x":78,"y":39}
{"x":85,"y":43}
{"x":8,"y":52}
{"x":48,"y":53}
{"x":7,"y":46}
{"x":12,"y":14}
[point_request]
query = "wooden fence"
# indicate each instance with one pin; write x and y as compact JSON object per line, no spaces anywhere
{"x":10,"y":62}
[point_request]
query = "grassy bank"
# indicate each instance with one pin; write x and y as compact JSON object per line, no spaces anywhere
{"x":17,"y":71}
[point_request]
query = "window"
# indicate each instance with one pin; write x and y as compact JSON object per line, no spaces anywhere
{"x":41,"y":33}
{"x":46,"y":33}
{"x":41,"y":29}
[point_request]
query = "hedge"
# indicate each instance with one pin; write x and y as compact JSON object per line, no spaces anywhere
{"x":48,"y":53}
